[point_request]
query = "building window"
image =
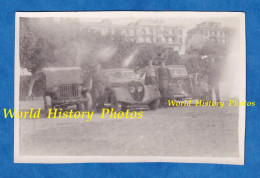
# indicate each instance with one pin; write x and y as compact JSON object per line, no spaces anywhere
{"x":151,"y":39}
{"x":180,"y":32}
{"x":205,"y":32}
{"x":151,"y":31}
{"x":143,"y":31}
{"x":173,"y":39}
{"x":147,"y":31}
{"x":180,"y":40}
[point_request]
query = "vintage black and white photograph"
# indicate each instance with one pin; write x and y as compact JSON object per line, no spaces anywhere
{"x":130,"y":87}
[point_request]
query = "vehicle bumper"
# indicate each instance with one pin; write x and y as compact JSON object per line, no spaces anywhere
{"x":69,"y":101}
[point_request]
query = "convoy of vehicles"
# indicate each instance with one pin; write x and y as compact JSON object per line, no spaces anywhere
{"x":65,"y":87}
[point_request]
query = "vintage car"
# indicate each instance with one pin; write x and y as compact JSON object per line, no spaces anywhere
{"x":123,"y":90}
{"x":65,"y":87}
{"x":181,"y":85}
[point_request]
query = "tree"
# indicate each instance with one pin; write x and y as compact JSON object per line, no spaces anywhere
{"x":213,"y":48}
{"x":194,"y":54}
{"x":35,"y":51}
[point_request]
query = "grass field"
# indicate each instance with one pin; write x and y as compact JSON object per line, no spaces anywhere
{"x":173,"y":131}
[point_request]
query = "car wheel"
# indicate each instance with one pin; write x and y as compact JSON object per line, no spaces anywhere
{"x":80,"y":106}
{"x":114,"y":103}
{"x":154,"y":104}
{"x":123,"y":107}
{"x":204,"y":97}
{"x":47,"y":105}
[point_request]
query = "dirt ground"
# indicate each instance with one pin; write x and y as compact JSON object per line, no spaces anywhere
{"x":174,"y":131}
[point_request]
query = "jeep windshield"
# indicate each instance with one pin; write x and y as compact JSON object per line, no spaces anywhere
{"x":119,"y":74}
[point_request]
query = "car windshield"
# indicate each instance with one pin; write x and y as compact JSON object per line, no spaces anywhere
{"x":120,"y":74}
{"x":178,"y":71}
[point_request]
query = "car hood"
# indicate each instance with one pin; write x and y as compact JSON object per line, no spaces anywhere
{"x":119,"y":82}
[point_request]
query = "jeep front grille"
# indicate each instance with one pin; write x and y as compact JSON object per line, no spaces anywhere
{"x":68,"y":91}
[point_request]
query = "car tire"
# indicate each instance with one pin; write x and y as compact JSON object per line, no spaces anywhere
{"x":204,"y":97}
{"x":80,"y":107}
{"x":154,"y":104}
{"x":123,"y":107}
{"x":114,"y":102}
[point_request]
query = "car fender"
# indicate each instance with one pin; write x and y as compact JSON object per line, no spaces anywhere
{"x":123,"y":95}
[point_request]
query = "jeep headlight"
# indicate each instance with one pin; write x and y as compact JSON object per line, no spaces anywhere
{"x":132,"y":89}
{"x":140,"y":88}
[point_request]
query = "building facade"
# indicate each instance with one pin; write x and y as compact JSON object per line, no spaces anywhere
{"x":145,"y":31}
{"x":208,"y":32}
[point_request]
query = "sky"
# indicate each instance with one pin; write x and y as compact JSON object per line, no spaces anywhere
{"x":188,"y":23}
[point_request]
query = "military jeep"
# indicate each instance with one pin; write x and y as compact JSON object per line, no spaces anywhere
{"x":123,"y":89}
{"x":65,"y":87}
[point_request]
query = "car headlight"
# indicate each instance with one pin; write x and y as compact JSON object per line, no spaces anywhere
{"x":140,"y":88}
{"x":132,"y":89}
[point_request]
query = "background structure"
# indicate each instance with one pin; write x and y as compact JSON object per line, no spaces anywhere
{"x":252,"y":144}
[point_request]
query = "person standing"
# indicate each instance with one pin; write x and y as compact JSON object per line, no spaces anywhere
{"x":213,"y":72}
{"x":164,"y":77}
{"x":98,"y":89}
{"x":150,"y":74}
{"x":87,"y":81}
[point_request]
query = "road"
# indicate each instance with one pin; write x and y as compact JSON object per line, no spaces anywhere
{"x":175,"y":131}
